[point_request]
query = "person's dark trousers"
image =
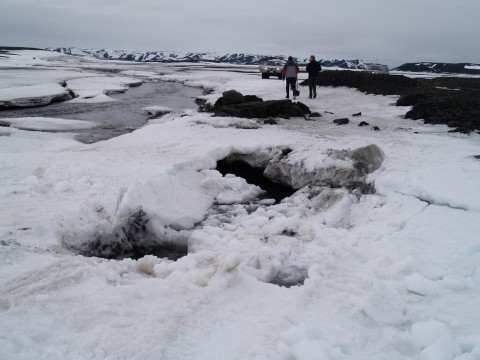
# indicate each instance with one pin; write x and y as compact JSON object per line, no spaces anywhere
{"x":312,"y":87}
{"x":291,"y":83}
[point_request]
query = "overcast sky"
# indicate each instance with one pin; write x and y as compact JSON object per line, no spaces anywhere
{"x":385,"y":31}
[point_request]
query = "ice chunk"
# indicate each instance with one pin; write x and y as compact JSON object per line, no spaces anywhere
{"x":177,"y":201}
{"x":49,"y":124}
{"x":96,"y":88}
{"x":32,"y":95}
{"x":157,"y":110}
{"x":339,"y":168}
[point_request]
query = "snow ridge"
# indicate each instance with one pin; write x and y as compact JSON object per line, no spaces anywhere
{"x":175,"y":56}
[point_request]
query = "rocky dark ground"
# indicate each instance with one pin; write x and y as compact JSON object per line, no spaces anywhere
{"x":233,"y":103}
{"x":452,"y":101}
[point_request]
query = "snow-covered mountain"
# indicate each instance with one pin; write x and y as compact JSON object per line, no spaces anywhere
{"x":175,"y":56}
{"x":454,"y":68}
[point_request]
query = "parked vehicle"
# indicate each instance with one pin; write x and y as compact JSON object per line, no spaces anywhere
{"x":378,"y":68}
{"x":272,"y":68}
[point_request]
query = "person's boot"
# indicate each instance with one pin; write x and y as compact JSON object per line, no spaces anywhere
{"x":310,"y":96}
{"x":286,"y":97}
{"x":314,"y":95}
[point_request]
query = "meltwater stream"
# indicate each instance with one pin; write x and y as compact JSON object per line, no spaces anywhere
{"x":116,"y":117}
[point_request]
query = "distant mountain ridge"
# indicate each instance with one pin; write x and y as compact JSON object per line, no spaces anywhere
{"x":452,"y":68}
{"x":175,"y":56}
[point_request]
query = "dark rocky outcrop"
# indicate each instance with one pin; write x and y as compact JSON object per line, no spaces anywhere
{"x":342,"y":121}
{"x":458,"y":110}
{"x":270,"y":122}
{"x":445,"y":100}
{"x":449,"y":101}
{"x":378,"y":84}
{"x":454,"y":83}
{"x":410,"y":99}
{"x":235,"y":104}
{"x":230,"y":97}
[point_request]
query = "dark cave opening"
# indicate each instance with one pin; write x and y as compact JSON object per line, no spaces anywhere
{"x":170,"y":251}
{"x":254,"y":176}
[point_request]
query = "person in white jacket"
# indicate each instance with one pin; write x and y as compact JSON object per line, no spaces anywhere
{"x":290,"y":72}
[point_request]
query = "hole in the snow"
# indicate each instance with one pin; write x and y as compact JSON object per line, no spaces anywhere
{"x":132,"y":238}
{"x":254,"y":176}
{"x":290,"y":276}
{"x":168,"y":250}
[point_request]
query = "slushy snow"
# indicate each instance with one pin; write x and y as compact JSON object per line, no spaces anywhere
{"x":326,"y":273}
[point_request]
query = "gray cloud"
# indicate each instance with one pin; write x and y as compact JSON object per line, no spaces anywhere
{"x":374,"y":30}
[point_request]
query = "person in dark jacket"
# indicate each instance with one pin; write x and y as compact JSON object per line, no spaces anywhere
{"x":290,"y":71}
{"x":313,"y":68}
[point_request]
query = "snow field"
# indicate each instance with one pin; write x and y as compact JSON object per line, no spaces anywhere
{"x":391,"y":275}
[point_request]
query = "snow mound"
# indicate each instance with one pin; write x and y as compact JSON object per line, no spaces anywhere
{"x":335,"y":168}
{"x":155,"y":212}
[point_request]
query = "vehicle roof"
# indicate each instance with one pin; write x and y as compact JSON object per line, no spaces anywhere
{"x":274,"y":62}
